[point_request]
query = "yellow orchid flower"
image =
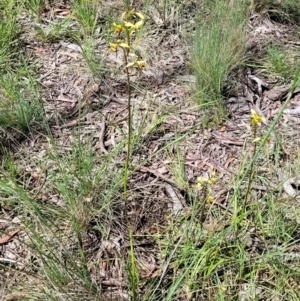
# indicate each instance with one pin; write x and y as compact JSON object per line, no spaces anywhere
{"x":213,"y":180}
{"x":135,"y":26}
{"x":140,"y":64}
{"x":201,"y":180}
{"x":210,"y":199}
{"x":256,"y":119}
{"x":113,"y":46}
{"x":118,"y":27}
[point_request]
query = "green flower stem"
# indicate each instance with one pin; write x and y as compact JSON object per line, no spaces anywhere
{"x":251,"y":171}
{"x":133,"y":275}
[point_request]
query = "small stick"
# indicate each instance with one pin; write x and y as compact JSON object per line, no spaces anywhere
{"x":100,"y":143}
{"x":159,"y":175}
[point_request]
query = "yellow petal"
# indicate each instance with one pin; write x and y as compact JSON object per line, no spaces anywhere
{"x":199,"y":186}
{"x":213,"y":180}
{"x":113,"y":46}
{"x":129,"y":24}
{"x":255,"y":118}
{"x":138,"y":24}
{"x":124,"y":45}
{"x":140,"y":64}
{"x":133,"y":55}
{"x":123,"y":15}
{"x":139,"y":15}
{"x":130,"y":65}
{"x":201,"y":180}
{"x":210,"y":199}
{"x":118,"y":27}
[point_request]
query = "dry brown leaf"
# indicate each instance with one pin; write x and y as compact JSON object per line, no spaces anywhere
{"x":229,"y":161}
{"x":65,"y":98}
{"x":277,"y":93}
{"x":114,"y":282}
{"x":5,"y":239}
{"x":177,"y":206}
{"x":205,"y":163}
{"x":150,"y":273}
{"x":40,"y":51}
{"x":14,"y":296}
{"x":226,"y":139}
{"x":61,"y":12}
{"x":288,"y":186}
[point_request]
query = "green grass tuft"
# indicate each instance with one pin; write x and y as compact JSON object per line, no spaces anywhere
{"x":86,"y":13}
{"x":219,"y":47}
{"x":283,"y":11}
{"x":280,"y":63}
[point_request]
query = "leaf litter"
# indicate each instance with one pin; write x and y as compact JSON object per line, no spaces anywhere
{"x":73,"y":98}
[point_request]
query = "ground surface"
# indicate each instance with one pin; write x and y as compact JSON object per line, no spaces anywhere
{"x":172,"y":149}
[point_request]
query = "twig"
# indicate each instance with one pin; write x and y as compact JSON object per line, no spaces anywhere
{"x":100,"y":143}
{"x":9,"y":261}
{"x":228,"y":140}
{"x":159,"y":175}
